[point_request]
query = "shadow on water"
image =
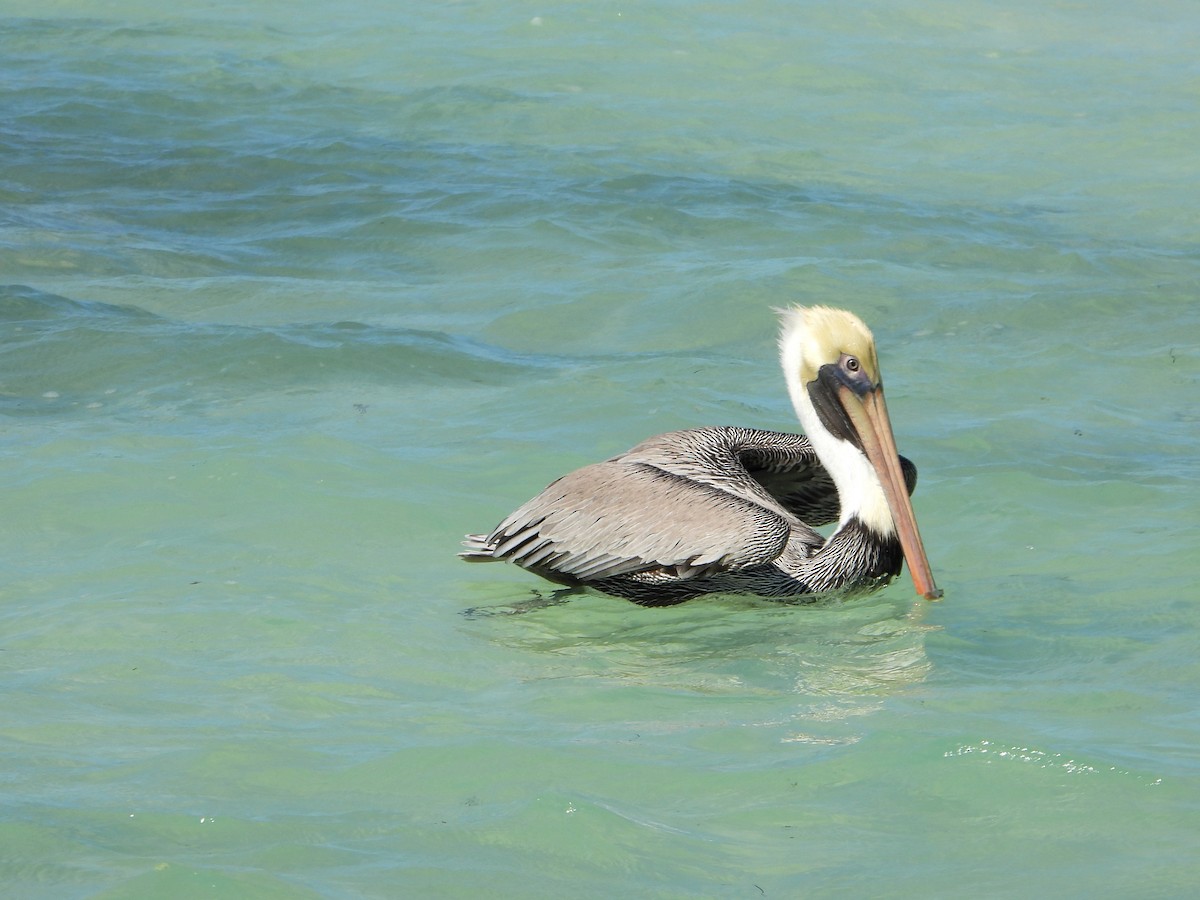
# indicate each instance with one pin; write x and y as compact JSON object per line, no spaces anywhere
{"x":725,"y":645}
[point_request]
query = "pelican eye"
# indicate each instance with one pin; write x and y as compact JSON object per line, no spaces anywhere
{"x":852,"y":364}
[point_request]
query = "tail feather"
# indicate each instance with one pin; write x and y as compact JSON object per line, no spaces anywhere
{"x":479,"y":549}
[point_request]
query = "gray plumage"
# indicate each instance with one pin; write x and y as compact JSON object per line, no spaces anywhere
{"x":686,"y":513}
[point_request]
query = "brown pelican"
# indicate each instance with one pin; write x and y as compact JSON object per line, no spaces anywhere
{"x":732,"y":510}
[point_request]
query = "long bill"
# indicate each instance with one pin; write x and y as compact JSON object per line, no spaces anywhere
{"x":875,"y":431}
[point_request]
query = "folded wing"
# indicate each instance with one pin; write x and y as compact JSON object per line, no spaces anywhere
{"x":621,"y":518}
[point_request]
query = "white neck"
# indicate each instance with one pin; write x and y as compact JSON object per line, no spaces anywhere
{"x":860,"y":495}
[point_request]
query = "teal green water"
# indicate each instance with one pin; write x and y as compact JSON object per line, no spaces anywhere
{"x":293,"y":298}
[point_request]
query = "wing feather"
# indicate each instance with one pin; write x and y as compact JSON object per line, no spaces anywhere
{"x":619,"y":518}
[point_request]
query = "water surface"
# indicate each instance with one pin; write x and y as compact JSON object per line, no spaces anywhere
{"x":292,"y":298}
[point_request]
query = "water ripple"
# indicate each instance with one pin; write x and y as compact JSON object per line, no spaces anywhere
{"x":59,"y":352}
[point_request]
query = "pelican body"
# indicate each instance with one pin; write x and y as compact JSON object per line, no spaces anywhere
{"x":734,"y":510}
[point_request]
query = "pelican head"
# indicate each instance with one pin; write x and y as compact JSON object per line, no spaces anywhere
{"x":832,"y":373}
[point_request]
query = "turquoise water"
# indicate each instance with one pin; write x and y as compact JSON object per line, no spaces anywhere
{"x":294,"y":297}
